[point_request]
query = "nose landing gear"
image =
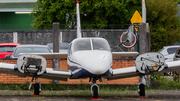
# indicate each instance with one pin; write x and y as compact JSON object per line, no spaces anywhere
{"x":95,"y":88}
{"x":95,"y":91}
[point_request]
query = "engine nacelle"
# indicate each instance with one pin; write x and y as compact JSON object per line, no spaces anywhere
{"x":150,"y":62}
{"x":31,"y":64}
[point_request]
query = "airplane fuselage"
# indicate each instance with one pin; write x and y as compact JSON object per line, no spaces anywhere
{"x":89,"y":57}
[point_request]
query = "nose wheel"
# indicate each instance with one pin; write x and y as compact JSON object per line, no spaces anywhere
{"x":94,"y":89}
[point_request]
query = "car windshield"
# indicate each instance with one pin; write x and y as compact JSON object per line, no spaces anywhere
{"x":7,"y":48}
{"x":172,"y":50}
{"x":31,"y":50}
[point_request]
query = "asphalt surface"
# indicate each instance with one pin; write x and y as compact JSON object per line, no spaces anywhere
{"x":10,"y":95}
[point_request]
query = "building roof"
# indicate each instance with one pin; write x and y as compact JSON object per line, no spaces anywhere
{"x":17,"y":1}
{"x":17,"y":5}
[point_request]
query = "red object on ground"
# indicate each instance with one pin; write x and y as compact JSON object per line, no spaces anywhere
{"x":94,"y":98}
{"x":143,"y":96}
{"x":35,"y":95}
{"x":7,"y":49}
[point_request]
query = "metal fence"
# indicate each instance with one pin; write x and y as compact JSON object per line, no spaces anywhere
{"x":43,"y":37}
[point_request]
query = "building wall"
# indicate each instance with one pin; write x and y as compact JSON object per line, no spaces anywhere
{"x":12,"y":21}
{"x":12,"y":79}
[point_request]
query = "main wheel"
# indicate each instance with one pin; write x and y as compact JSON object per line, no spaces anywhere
{"x":142,"y":90}
{"x":128,"y":39}
{"x":95,"y":91}
{"x":36,"y":89}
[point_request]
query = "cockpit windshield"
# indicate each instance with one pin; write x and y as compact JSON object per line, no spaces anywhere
{"x":99,"y":45}
{"x":83,"y":44}
{"x":91,"y":44}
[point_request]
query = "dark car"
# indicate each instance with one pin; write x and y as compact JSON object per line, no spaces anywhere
{"x":29,"y":49}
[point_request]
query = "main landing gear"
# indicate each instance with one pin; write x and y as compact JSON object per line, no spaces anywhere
{"x":95,"y":88}
{"x":37,"y":86}
{"x":141,"y":86}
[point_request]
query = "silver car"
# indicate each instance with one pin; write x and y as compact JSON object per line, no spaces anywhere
{"x":177,"y":55}
{"x":168,"y":52}
{"x":63,"y":47}
{"x":29,"y":49}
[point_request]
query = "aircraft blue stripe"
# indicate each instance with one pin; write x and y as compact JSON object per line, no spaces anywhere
{"x":15,"y":67}
{"x":82,"y":73}
{"x":166,"y":66}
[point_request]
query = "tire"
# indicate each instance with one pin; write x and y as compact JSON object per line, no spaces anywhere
{"x":36,"y":89}
{"x":142,"y":90}
{"x":95,"y":91}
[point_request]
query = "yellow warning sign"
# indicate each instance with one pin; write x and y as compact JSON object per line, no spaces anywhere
{"x":136,"y":18}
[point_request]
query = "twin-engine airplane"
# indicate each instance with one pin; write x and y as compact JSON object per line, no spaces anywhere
{"x":88,"y":58}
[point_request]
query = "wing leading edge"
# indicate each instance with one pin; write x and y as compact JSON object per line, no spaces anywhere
{"x":124,"y":73}
{"x":132,"y":71}
{"x":49,"y":73}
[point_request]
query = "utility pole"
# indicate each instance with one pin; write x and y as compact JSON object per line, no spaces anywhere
{"x":56,"y":47}
{"x":143,"y":11}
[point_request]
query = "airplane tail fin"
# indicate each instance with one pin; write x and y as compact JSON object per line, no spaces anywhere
{"x":78,"y":21}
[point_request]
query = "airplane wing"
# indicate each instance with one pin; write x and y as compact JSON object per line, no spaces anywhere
{"x":49,"y":73}
{"x":120,"y":55}
{"x":124,"y":73}
{"x":172,"y":66}
{"x":142,"y":62}
{"x":56,"y":74}
{"x":10,"y":69}
{"x":146,"y":64}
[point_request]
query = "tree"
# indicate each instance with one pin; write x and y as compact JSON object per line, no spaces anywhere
{"x":112,"y":14}
{"x":95,"y":14}
{"x":164,"y":22}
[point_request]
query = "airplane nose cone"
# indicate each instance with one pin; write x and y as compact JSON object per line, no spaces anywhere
{"x":96,"y":62}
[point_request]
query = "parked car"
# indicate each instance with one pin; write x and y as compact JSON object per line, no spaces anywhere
{"x":169,"y":52}
{"x":29,"y":49}
{"x":7,"y":49}
{"x":177,"y":55}
{"x":63,"y":47}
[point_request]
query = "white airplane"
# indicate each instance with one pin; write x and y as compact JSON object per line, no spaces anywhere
{"x":88,"y":58}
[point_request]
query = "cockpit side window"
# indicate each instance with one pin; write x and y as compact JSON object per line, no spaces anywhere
{"x":83,"y":44}
{"x":100,"y":45}
{"x":69,"y":49}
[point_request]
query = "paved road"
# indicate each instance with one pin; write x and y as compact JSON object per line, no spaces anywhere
{"x":129,"y":96}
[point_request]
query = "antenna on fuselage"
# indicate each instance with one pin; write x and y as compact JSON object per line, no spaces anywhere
{"x":78,"y":21}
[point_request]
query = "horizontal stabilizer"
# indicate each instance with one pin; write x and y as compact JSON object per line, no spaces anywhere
{"x":61,"y":56}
